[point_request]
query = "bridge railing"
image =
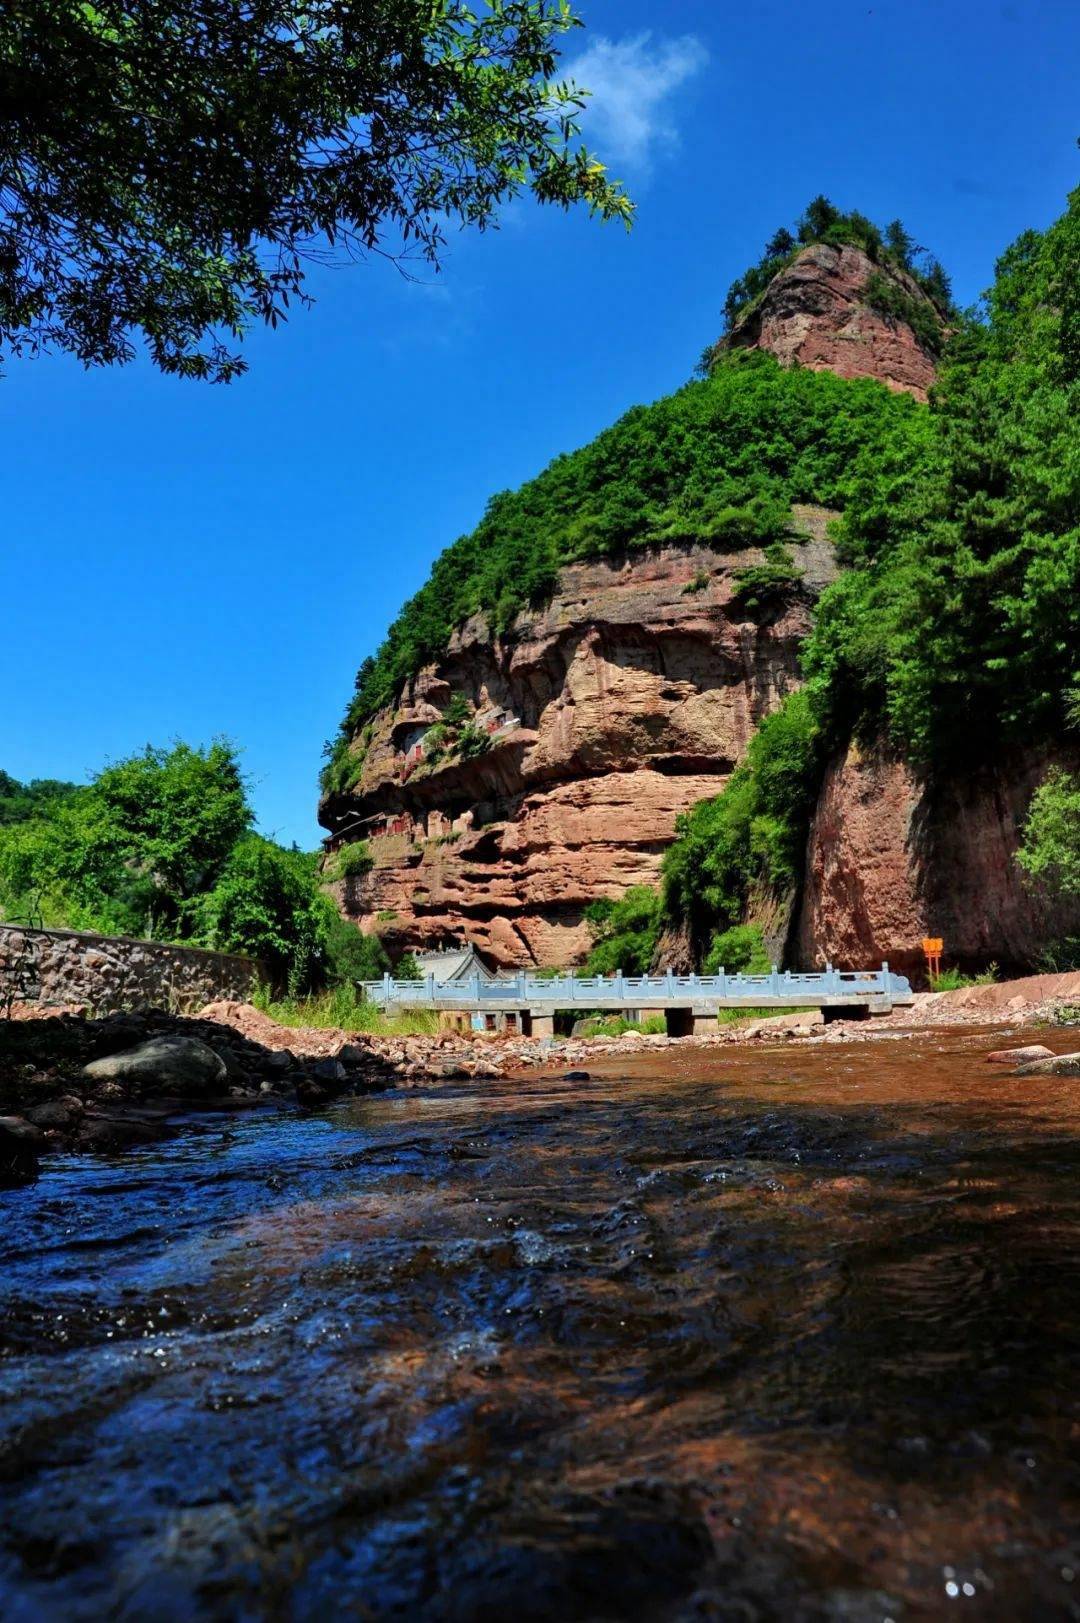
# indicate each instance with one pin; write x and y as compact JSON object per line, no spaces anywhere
{"x":641,"y":991}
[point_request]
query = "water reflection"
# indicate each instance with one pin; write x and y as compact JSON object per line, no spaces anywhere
{"x":784,"y":1335}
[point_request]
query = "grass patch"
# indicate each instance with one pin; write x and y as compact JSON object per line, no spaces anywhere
{"x":341,"y":1008}
{"x":736,"y":1017}
{"x":951,"y":980}
{"x":613,"y":1025}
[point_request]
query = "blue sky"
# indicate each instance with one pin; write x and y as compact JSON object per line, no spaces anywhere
{"x":187,"y":561}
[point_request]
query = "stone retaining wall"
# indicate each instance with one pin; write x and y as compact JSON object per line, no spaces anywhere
{"x":105,"y":973}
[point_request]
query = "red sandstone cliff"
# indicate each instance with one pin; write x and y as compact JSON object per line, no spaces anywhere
{"x":814,"y":313}
{"x":893,"y":857}
{"x":630,"y":696}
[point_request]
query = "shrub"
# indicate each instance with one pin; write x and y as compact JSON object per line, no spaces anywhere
{"x":763,"y":584}
{"x":890,"y":299}
{"x":457,"y":711}
{"x":953,"y":980}
{"x":624,"y":932}
{"x":1060,"y":956}
{"x":750,"y":835}
{"x":740,"y":949}
{"x":472,"y":742}
{"x":353,"y":956}
{"x":1050,"y":852}
{"x":267,"y":903}
{"x":352,"y":860}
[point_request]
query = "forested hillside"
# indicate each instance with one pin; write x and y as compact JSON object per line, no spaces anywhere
{"x":954,"y":634}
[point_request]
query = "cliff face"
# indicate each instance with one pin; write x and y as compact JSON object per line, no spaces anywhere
{"x":893,"y":857}
{"x":814,"y":313}
{"x":630,"y":696}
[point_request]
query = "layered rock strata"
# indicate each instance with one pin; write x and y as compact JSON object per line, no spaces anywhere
{"x":630,"y":696}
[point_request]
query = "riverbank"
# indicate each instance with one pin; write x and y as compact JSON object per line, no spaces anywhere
{"x":55,"y":1093}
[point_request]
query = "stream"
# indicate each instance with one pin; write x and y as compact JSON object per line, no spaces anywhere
{"x":732,"y":1334}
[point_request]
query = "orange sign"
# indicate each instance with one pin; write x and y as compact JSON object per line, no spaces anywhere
{"x":933,"y":946}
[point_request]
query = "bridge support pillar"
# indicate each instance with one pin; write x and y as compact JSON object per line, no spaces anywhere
{"x":541,"y":1025}
{"x":705,"y":1025}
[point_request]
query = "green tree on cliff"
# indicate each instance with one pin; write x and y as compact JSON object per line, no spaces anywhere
{"x":958,"y":631}
{"x":169,"y":168}
{"x":624,"y":932}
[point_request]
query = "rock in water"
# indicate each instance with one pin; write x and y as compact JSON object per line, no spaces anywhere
{"x":1057,"y":1065}
{"x":1019,"y":1056}
{"x":18,"y":1152}
{"x":176,"y":1065}
{"x":576,"y":1076}
{"x":312,"y":1094}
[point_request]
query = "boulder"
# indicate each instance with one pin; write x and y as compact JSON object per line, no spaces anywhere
{"x":1057,"y":1065}
{"x":330,"y":1070}
{"x":1019,"y":1056}
{"x":174,"y":1065}
{"x":18,"y":1152}
{"x":53,"y":1113}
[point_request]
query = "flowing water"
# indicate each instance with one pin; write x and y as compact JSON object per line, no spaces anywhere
{"x":790,"y":1333}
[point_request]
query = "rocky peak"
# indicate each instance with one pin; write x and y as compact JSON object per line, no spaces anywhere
{"x":816,"y":312}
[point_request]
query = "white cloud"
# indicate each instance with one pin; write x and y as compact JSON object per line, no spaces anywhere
{"x":628,"y":117}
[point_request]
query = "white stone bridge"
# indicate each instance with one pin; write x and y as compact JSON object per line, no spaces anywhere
{"x":689,"y":1003}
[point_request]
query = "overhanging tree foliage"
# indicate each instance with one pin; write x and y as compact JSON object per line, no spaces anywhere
{"x":169,"y":167}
